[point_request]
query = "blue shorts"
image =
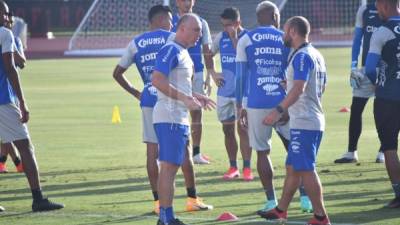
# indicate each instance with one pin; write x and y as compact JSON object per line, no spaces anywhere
{"x":172,"y":142}
{"x":303,"y":149}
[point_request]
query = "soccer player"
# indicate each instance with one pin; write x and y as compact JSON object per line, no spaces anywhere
{"x":8,"y":148}
{"x":14,"y":115}
{"x":172,"y":77}
{"x":384,"y":53}
{"x":262,"y":56}
{"x":367,"y":21}
{"x":225,"y":43}
{"x":306,"y":80}
{"x":202,"y":47}
{"x":142,"y":51}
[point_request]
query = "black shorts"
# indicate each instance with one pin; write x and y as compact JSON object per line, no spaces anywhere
{"x":387,"y":122}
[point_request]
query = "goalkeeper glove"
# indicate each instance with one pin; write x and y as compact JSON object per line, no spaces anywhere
{"x":356,"y":76}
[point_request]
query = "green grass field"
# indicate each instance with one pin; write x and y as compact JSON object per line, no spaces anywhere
{"x":98,"y":168}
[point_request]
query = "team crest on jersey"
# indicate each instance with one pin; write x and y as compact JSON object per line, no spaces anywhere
{"x":152,"y":90}
{"x":396,"y":29}
{"x":295,"y":146}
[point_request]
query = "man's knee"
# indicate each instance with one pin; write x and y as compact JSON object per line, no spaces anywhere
{"x":24,"y":145}
{"x":152,"y":151}
{"x":229,"y":129}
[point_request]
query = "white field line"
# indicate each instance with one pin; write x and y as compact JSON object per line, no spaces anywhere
{"x":144,"y":217}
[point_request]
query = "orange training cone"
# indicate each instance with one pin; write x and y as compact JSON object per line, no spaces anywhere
{"x":344,"y":109}
{"x":116,"y":117}
{"x":227,"y":216}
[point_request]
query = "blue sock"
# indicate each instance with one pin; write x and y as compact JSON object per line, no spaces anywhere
{"x":233,"y":163}
{"x":302,"y":191}
{"x":396,"y":189}
{"x":270,"y":194}
{"x":246,"y":163}
{"x":166,"y":214}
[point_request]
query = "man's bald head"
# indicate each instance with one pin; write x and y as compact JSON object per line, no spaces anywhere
{"x":188,"y":29}
{"x":188,"y":18}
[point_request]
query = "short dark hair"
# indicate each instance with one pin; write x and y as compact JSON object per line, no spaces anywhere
{"x":231,"y":13}
{"x":158,"y":9}
{"x":300,"y":24}
{"x":392,"y":2}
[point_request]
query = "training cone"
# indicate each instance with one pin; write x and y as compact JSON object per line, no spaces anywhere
{"x":344,"y":110}
{"x":227,"y":216}
{"x":116,"y":117}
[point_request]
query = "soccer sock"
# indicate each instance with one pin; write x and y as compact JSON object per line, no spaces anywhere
{"x":196,"y":150}
{"x":166,"y":214}
{"x":191,"y":192}
{"x":233,"y":163}
{"x":17,"y":161}
{"x":396,"y":189}
{"x":320,"y":218}
{"x":155,"y":195}
{"x":37,"y":194}
{"x":355,"y":124}
{"x":302,"y":191}
{"x":246,"y":163}
{"x":3,"y":159}
{"x":270,"y":194}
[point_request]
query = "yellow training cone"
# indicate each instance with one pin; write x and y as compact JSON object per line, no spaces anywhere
{"x":116,"y":117}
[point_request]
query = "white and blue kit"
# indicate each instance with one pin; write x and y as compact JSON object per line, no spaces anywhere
{"x":307,"y":121}
{"x":367,"y":21}
{"x":142,"y":51}
{"x":262,"y":56}
{"x":226,"y":102}
{"x":11,"y":128}
{"x":384,"y":54}
{"x":170,"y":116}
{"x":196,"y":52}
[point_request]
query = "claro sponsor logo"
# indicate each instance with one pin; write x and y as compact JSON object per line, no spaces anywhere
{"x":227,"y":59}
{"x":371,"y":29}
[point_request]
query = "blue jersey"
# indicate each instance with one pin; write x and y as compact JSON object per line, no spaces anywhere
{"x":143,"y":51}
{"x":265,"y":57}
{"x":223,"y":44}
{"x":371,"y":22}
{"x":7,"y":95}
{"x":385,"y":43}
{"x":367,"y":21}
{"x":195,"y":52}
